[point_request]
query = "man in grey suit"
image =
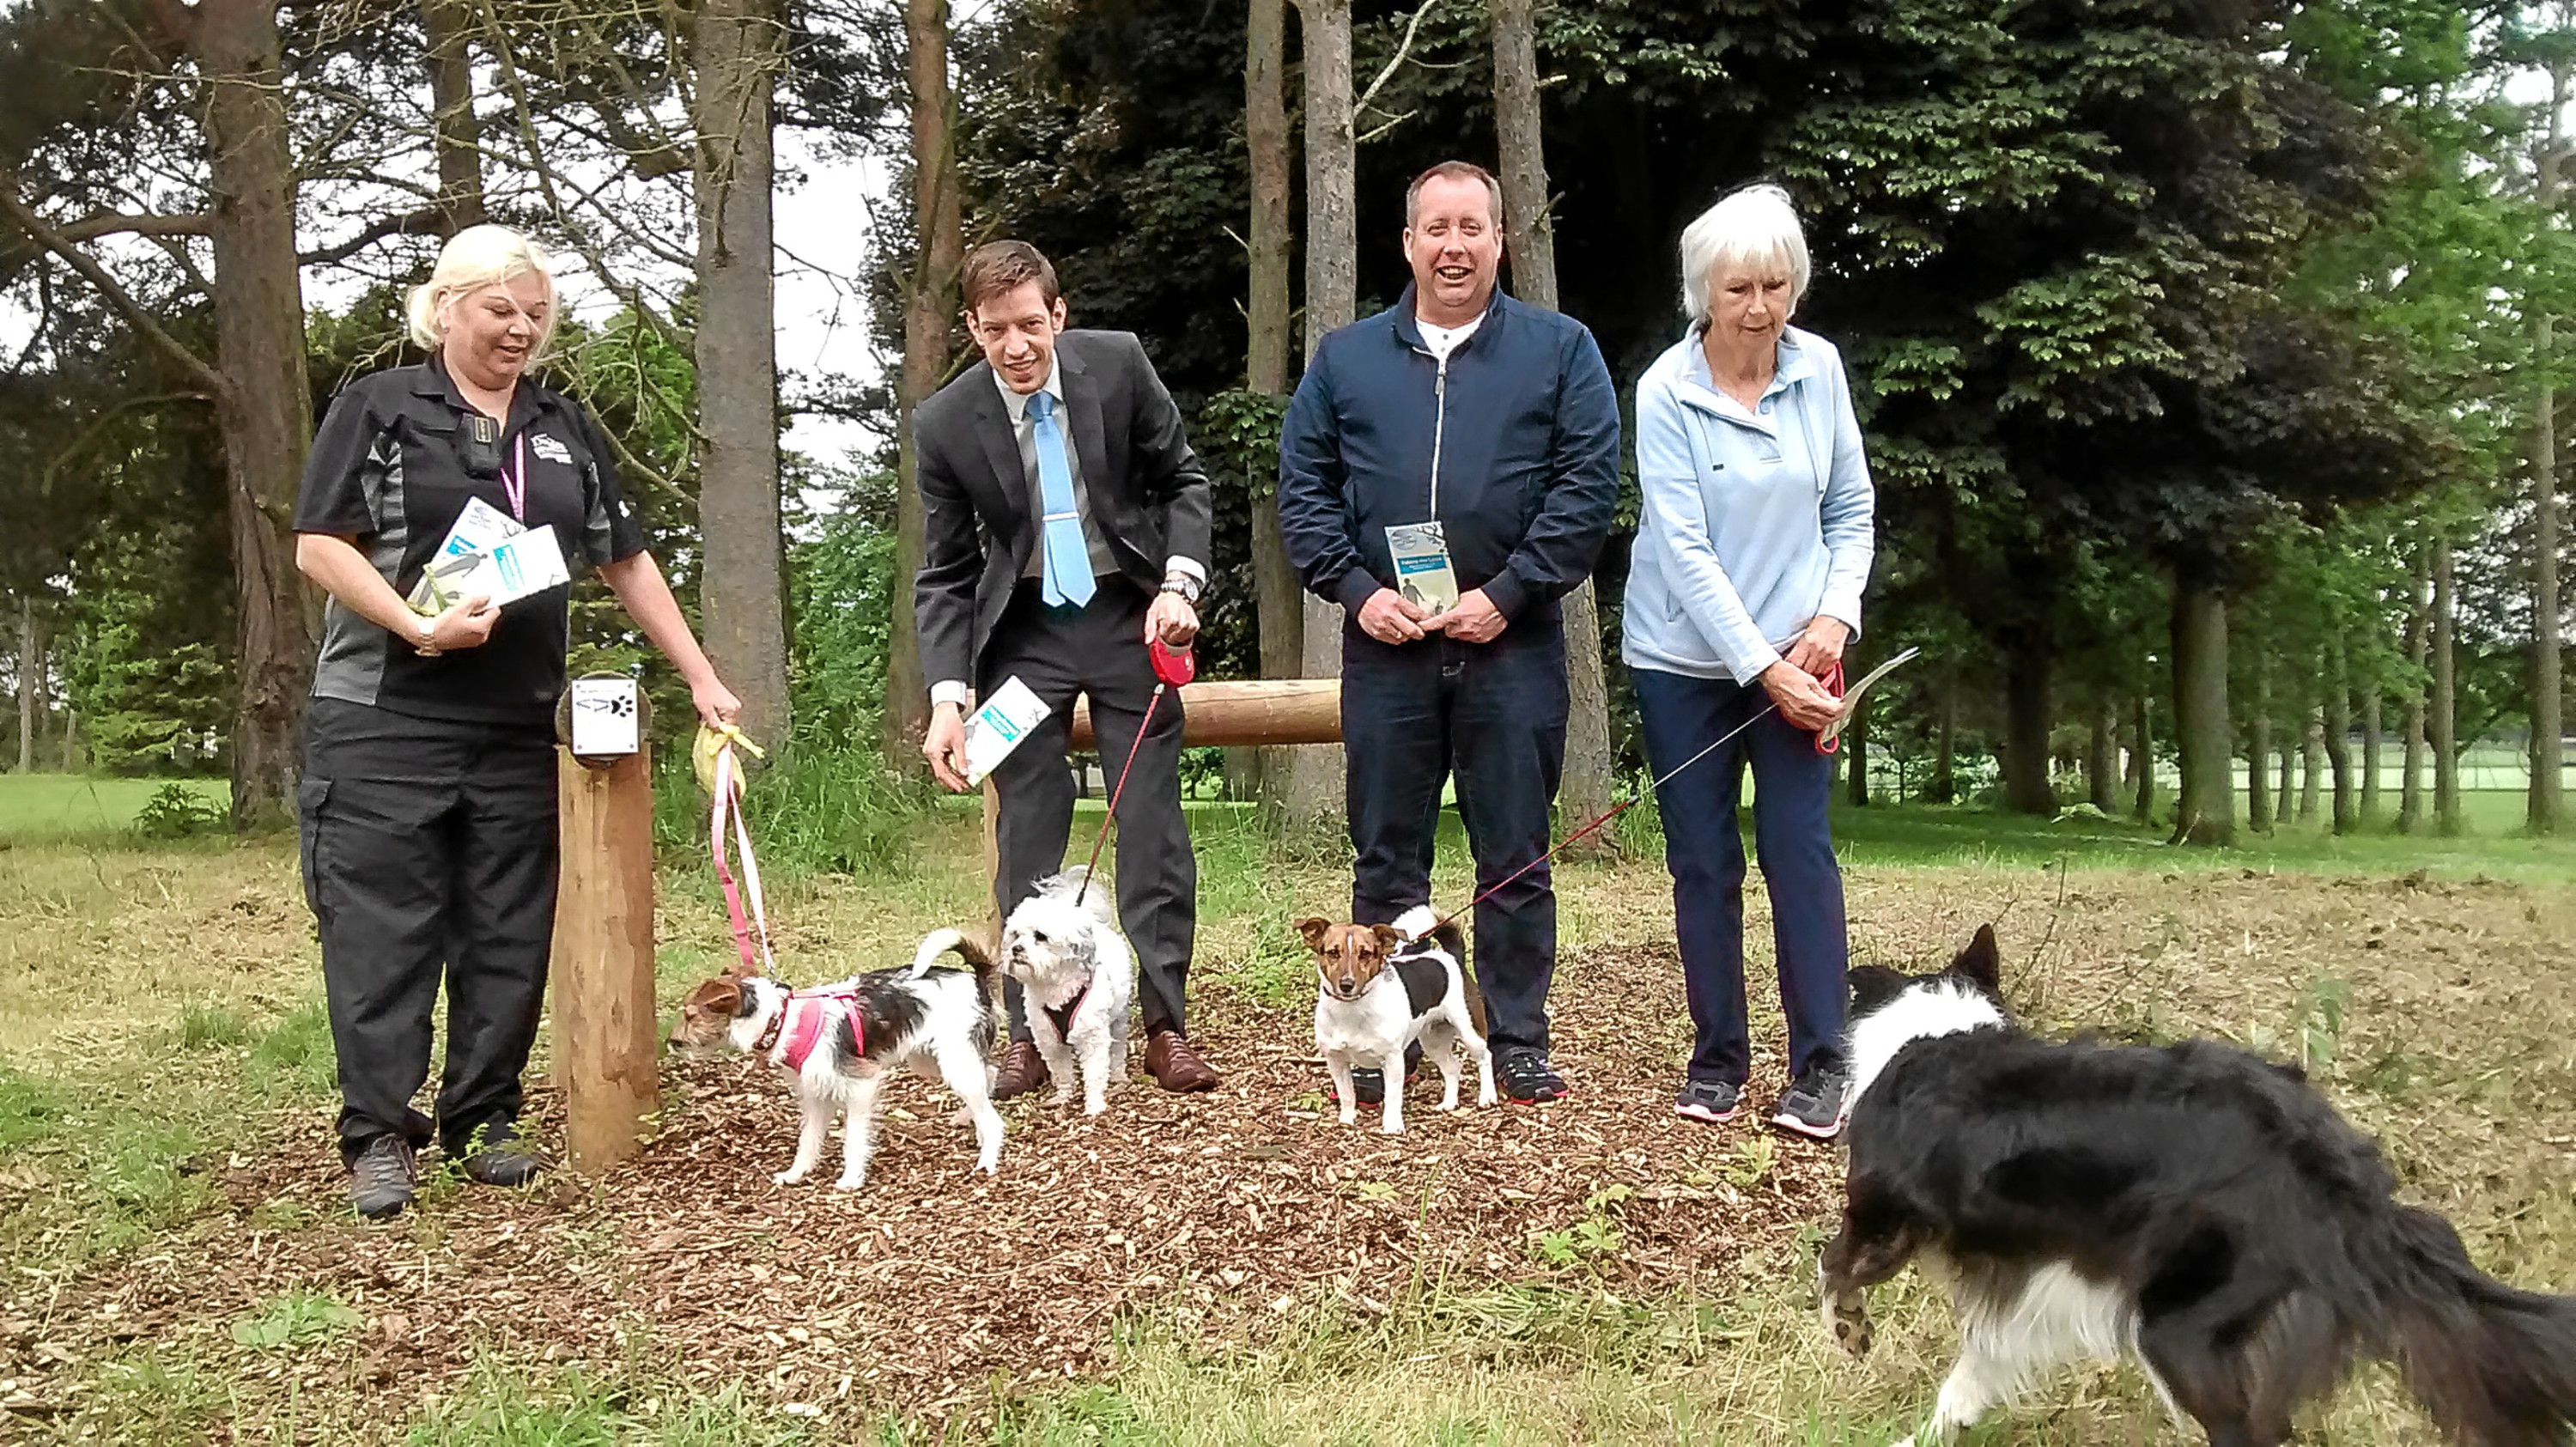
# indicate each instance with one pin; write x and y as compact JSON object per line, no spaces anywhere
{"x":1065,"y":523}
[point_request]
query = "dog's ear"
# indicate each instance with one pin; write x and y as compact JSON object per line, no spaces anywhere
{"x":1981,"y":963}
{"x":1873,"y":986}
{"x":1313,"y":931}
{"x":1389,"y":938}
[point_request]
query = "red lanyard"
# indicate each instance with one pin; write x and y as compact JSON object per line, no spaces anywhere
{"x":514,"y":479}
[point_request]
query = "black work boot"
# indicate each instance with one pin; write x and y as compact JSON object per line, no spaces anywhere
{"x":383,"y":1176}
{"x":499,"y":1158}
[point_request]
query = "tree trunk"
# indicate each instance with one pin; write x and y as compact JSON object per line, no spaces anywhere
{"x":2026,"y":681}
{"x":2205,"y":812}
{"x":31,"y":676}
{"x":1530,"y":242}
{"x":2547,"y":720}
{"x":1277,"y":606}
{"x":2144,"y":726}
{"x":2258,"y":748}
{"x":930,"y":315}
{"x":1943,"y":788}
{"x":2444,"y":719}
{"x":2312,"y":759}
{"x":264,"y":407}
{"x":2410,"y":783}
{"x":741,"y":48}
{"x":2337,"y":731}
{"x":1315,"y":784}
{"x":2285,"y":803}
{"x":2102,"y":757}
{"x":446,"y":24}
{"x":1855,"y":755}
{"x":2371,"y":704}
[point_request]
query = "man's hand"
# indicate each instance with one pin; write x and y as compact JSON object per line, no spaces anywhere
{"x":1802,"y":700}
{"x":466,"y":624}
{"x":715,"y":703}
{"x":1388,"y":618}
{"x":1820,"y":645}
{"x":1474,"y":620}
{"x":1171,"y":619}
{"x":944,"y":745}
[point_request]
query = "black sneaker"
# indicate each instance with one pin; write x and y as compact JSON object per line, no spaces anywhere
{"x":1370,"y":1085}
{"x":382,"y":1178}
{"x":1711,"y":1102}
{"x":1525,"y":1076}
{"x":1815,"y":1104}
{"x":497,"y":1157}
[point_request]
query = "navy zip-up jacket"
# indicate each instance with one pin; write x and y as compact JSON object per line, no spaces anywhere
{"x":1525,"y":426}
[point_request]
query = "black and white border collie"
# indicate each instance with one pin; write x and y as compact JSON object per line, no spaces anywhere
{"x":2192,"y":1208}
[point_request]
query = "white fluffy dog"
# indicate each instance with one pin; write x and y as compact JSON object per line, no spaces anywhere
{"x":1079,"y":977}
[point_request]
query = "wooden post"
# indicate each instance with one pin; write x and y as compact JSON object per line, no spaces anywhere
{"x":607,"y":1046}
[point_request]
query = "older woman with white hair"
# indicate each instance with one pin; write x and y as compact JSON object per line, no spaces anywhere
{"x":427,"y":806}
{"x":1746,"y":585}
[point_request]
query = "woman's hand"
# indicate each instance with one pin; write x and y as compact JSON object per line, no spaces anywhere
{"x":716,"y":704}
{"x":1802,"y":700}
{"x":467,"y":623}
{"x":1820,"y":645}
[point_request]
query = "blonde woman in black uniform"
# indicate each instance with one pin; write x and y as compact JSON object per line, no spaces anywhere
{"x":427,"y":806}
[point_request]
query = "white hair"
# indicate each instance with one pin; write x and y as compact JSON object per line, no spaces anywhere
{"x":1751,"y":227}
{"x":472,"y":259}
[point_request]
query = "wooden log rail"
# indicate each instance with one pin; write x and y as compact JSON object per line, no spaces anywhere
{"x":1247,"y":713}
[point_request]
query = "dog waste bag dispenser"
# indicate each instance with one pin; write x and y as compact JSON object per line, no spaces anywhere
{"x":606,"y":1044}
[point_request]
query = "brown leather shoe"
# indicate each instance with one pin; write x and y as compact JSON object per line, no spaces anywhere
{"x":1023,"y":1070}
{"x":1175,"y":1065}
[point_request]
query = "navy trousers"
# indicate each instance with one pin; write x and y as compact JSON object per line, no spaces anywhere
{"x":1494,"y":714}
{"x":1704,"y":849}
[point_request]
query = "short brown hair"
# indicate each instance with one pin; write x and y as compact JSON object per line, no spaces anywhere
{"x":1454,"y":171}
{"x":1000,"y":266}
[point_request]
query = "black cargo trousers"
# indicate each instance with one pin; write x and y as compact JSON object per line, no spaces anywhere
{"x":429,"y":847}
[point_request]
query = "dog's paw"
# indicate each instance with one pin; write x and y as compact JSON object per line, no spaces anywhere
{"x":1350,"y":1116}
{"x":787,"y":1178}
{"x":849,"y":1183}
{"x":1390,"y":1127}
{"x":1852,"y":1329}
{"x":1095,"y":1107}
{"x":1061,"y":1095}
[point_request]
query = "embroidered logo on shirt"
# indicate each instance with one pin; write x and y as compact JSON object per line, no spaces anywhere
{"x":548,"y":448}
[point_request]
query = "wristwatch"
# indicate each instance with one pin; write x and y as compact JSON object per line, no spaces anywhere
{"x":425,"y":641}
{"x":1183,"y":584}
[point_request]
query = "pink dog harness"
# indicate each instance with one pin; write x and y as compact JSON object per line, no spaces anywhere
{"x":801,"y":1024}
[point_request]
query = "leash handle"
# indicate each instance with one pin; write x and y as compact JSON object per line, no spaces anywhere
{"x":728,"y":806}
{"x":1830,"y":741}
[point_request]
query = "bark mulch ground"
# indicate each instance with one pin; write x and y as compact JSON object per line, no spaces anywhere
{"x":1232,"y":1212}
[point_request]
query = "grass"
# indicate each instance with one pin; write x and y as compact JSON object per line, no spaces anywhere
{"x":166,"y":1023}
{"x":45,"y":808}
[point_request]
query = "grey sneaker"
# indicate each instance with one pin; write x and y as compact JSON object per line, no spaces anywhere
{"x":1814,"y":1105}
{"x":381,"y":1179}
{"x":503,"y":1159}
{"x":1710,"y":1102}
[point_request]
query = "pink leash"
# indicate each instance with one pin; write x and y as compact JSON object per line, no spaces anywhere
{"x":1172,"y":668}
{"x":728,"y":806}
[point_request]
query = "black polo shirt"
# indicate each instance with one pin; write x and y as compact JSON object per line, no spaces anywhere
{"x":392,"y":467}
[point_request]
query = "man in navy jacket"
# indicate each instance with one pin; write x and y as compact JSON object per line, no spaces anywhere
{"x":1497,"y":420}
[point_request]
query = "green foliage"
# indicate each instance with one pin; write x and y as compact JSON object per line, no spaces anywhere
{"x":840,"y":596}
{"x":177,"y":810}
{"x":296,"y":1054}
{"x":297,"y":1319}
{"x":30,"y":1109}
{"x":834,"y":810}
{"x":204,"y":1026}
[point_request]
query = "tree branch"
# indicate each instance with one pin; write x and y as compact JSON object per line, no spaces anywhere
{"x":1396,"y":63}
{"x":197,"y":368}
{"x":98,"y":426}
{"x":90,"y":228}
{"x":424,"y":222}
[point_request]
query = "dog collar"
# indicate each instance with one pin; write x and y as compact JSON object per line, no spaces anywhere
{"x":769,"y":1037}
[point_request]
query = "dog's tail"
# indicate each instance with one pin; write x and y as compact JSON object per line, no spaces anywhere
{"x":945,"y":941}
{"x":2493,"y":1364}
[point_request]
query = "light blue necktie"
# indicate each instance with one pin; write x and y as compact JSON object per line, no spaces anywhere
{"x":1065,"y":577}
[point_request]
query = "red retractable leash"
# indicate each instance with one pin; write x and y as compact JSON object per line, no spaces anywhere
{"x":1173,"y":667}
{"x":1828,"y":740}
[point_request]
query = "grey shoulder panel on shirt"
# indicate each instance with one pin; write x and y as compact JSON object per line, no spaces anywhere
{"x":351,"y":664}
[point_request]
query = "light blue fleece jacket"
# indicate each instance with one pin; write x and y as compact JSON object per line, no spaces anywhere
{"x":1754,"y":522}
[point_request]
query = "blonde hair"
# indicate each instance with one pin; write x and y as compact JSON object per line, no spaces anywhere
{"x":472,"y":259}
{"x":1750,"y":227}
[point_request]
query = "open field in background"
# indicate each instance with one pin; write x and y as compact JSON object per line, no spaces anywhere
{"x":180,"y":1265}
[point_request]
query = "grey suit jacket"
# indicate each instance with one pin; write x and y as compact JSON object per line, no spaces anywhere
{"x":1147,"y":490}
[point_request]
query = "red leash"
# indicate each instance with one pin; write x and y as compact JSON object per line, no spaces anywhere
{"x":1172,"y":668}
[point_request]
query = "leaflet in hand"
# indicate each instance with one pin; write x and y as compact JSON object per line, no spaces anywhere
{"x":1423,"y":576}
{"x":997,"y":728}
{"x":528,"y":562}
{"x":479,"y":529}
{"x":1852,"y":695}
